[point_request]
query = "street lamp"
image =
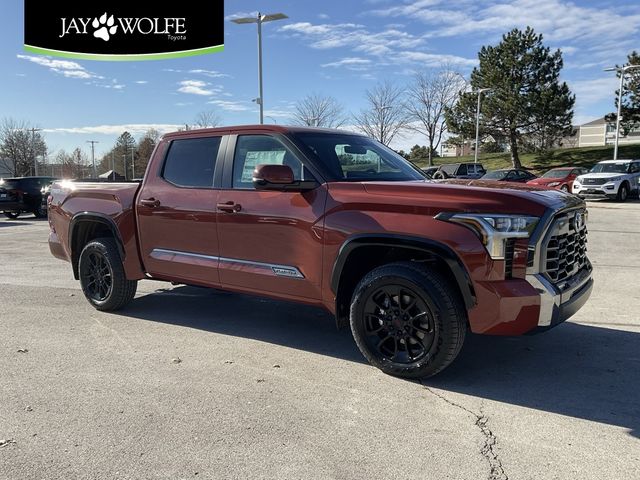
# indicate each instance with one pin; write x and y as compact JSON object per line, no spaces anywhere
{"x":260,"y":19}
{"x":479,"y":92}
{"x":93,"y":156}
{"x":621,"y":71}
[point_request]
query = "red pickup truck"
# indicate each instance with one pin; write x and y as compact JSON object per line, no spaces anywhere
{"x":337,"y":220}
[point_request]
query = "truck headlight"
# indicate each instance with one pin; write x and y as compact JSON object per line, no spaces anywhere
{"x":494,"y":229}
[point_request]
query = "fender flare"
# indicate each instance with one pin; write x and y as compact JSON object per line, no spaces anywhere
{"x":92,"y":217}
{"x":433,"y":247}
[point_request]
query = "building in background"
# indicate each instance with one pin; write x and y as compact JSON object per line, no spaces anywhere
{"x":599,"y":133}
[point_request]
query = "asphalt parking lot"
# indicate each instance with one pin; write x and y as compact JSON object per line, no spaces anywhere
{"x":193,"y":383}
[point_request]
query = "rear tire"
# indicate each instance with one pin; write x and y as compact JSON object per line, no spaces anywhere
{"x":12,"y":215}
{"x":102,"y":276}
{"x":40,"y":212}
{"x":407,"y":321}
{"x":623,"y":193}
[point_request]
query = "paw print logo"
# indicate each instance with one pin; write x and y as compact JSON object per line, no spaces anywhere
{"x":104,"y":28}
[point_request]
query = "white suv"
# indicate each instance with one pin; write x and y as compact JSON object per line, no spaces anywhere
{"x":614,"y":179}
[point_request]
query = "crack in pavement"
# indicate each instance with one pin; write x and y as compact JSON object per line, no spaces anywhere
{"x":496,"y":470}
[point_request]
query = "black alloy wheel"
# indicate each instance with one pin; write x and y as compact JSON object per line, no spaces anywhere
{"x":102,"y":276}
{"x":399,"y":325}
{"x":407,"y":319}
{"x":96,"y":276}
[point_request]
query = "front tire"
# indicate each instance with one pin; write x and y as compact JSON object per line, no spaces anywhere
{"x":102,"y":276}
{"x":623,"y":193}
{"x":564,"y":188}
{"x":12,"y":215}
{"x":407,"y":321}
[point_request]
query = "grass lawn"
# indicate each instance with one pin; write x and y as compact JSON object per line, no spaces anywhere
{"x":541,"y":162}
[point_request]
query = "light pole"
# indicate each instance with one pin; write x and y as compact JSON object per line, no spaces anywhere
{"x":466,"y":85}
{"x":133,"y":166}
{"x":479,"y":92}
{"x":93,"y":155}
{"x":35,"y":157}
{"x":621,"y":71}
{"x":260,"y":19}
{"x":124,"y":165}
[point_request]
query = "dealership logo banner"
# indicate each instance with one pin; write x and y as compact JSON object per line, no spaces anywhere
{"x":123,"y":30}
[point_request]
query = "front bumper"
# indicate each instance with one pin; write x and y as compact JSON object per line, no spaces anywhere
{"x":557,"y":306}
{"x":12,"y":206}
{"x":525,"y":306}
{"x":596,"y":191}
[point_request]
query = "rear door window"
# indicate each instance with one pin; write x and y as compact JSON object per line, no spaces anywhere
{"x":190,"y":162}
{"x":462,"y":170}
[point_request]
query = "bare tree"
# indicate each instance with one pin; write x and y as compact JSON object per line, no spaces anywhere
{"x":20,"y":146}
{"x":429,"y":97}
{"x":206,"y":119}
{"x":385,"y":115}
{"x":317,"y":110}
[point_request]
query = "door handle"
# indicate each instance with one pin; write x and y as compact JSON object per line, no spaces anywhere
{"x":229,"y":207}
{"x":150,"y":202}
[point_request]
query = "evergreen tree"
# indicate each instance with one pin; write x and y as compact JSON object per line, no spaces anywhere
{"x":526,"y":101}
{"x":630,"y":110}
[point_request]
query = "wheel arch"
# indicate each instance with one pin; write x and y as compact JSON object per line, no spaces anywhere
{"x":361,"y":253}
{"x":87,"y":226}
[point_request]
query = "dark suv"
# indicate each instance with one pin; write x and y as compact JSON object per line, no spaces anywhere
{"x":460,"y":170}
{"x":18,"y":195}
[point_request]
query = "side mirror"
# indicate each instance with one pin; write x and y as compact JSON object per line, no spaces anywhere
{"x":272,"y":177}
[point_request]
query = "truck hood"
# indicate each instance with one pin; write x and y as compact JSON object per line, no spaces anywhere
{"x":474,"y":196}
{"x":603,"y":175}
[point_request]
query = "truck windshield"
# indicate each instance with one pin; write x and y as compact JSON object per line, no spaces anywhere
{"x":619,"y":167}
{"x":354,"y":158}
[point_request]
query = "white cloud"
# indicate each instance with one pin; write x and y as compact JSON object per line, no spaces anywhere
{"x":141,"y":82}
{"x":323,"y":16}
{"x":231,"y":106}
{"x":352,"y":63}
{"x":66,"y":68}
{"x":228,"y":18}
{"x":589,"y":92}
{"x":195,"y":87}
{"x":209,"y":73}
{"x":558,"y":20}
{"x":133,"y":128}
{"x":434,"y":59}
{"x":389,"y":46}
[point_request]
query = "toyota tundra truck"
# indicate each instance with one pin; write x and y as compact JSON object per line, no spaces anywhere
{"x":336,"y":220}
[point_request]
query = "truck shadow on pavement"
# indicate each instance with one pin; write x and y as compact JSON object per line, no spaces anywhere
{"x":582,"y":371}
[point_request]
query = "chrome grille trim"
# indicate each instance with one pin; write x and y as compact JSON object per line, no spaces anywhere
{"x":564,"y":247}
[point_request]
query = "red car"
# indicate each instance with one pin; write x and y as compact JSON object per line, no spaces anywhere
{"x":559,"y":178}
{"x":337,"y":220}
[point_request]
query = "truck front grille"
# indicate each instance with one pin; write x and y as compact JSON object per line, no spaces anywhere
{"x":565,"y":248}
{"x":594,"y":181}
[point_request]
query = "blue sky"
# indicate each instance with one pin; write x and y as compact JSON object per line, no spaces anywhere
{"x":339,"y":48}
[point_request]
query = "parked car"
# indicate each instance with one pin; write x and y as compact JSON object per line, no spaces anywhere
{"x":559,"y":178}
{"x":509,"y":175}
{"x":23,"y":194}
{"x":429,"y":171}
{"x":337,"y":220}
{"x":613,"y":179}
{"x":459,"y":170}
